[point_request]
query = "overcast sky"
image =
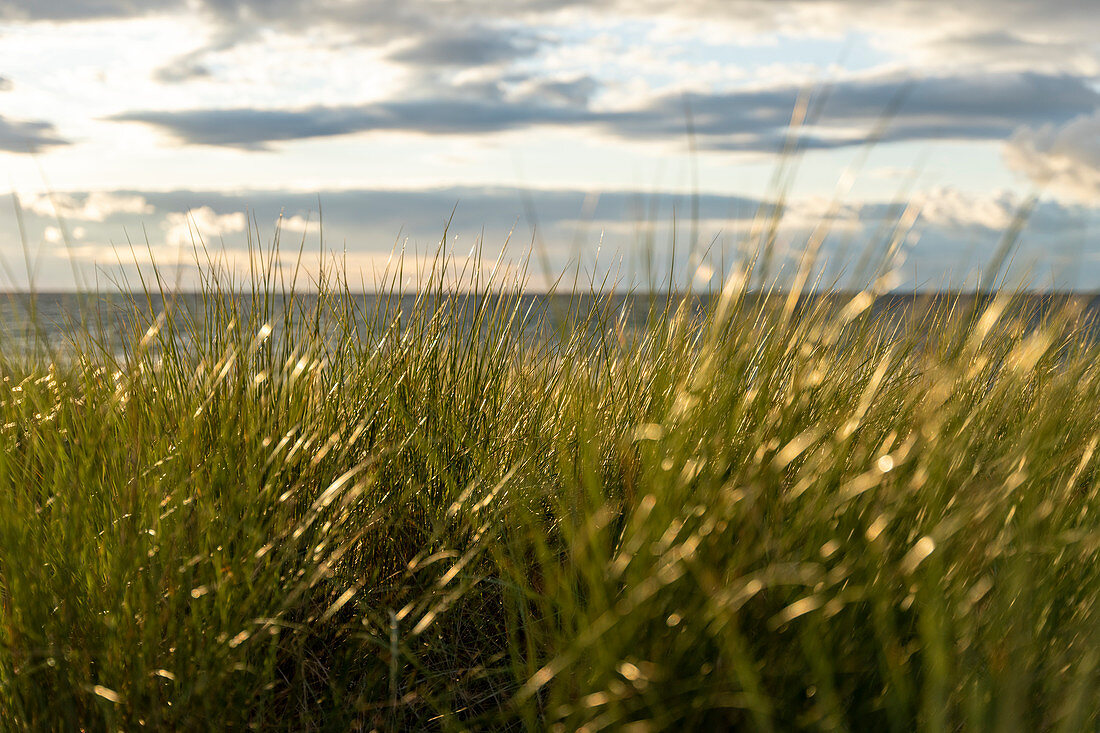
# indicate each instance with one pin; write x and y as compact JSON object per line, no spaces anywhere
{"x":581,"y":126}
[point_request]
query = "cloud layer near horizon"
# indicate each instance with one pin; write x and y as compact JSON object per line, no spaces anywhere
{"x":111,"y":231}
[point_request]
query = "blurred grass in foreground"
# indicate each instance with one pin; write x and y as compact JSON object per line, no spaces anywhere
{"x":749,"y":512}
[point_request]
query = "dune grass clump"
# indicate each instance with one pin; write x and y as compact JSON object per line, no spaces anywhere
{"x":475,"y":510}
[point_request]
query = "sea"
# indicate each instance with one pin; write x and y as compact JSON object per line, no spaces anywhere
{"x":53,"y":323}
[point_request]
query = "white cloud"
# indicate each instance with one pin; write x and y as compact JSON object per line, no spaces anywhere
{"x":1005,"y":35}
{"x":953,"y":209}
{"x":95,"y":206}
{"x":299,"y":224}
{"x":1064,"y":159}
{"x":203,"y":223}
{"x":807,"y":213}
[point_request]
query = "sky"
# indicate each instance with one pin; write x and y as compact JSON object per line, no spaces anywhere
{"x":620,"y":140}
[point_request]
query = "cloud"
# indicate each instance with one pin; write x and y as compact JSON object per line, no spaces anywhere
{"x":22,"y":136}
{"x":1063,"y":158}
{"x":182,"y":69}
{"x":1008,"y":35}
{"x":423,"y":213}
{"x":958,"y":231}
{"x":468,"y":47}
{"x":95,"y":206}
{"x":6,"y":84}
{"x":1056,"y":35}
{"x":426,"y":211}
{"x":1015,"y":48}
{"x":70,"y":10}
{"x":976,"y":107}
{"x":200,"y":224}
{"x":300,"y":224}
{"x":255,"y":129}
{"x":576,"y":91}
{"x":996,"y":27}
{"x":193,"y":64}
{"x":373,"y":217}
{"x":954,"y":210}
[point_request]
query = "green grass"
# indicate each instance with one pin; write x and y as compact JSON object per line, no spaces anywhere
{"x":740,"y":512}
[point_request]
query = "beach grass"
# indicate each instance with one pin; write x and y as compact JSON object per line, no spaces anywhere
{"x":300,"y":508}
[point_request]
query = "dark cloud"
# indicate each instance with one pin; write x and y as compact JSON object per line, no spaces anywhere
{"x":575,"y":92}
{"x":68,"y":10}
{"x":253,"y":129}
{"x":182,"y":69}
{"x":1053,"y":36}
{"x":998,"y":40}
{"x":981,"y":107}
{"x":998,"y":25}
{"x":998,"y":20}
{"x":72,"y":10}
{"x":426,"y":211}
{"x":28,"y":136}
{"x":477,"y":46}
{"x":423,"y":213}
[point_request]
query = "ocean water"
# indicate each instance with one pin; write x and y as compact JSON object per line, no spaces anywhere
{"x":53,"y":323}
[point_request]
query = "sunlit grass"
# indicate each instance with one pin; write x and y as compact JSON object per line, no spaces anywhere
{"x":332,"y":512}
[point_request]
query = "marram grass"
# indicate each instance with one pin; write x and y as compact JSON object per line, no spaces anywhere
{"x":487,"y":511}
